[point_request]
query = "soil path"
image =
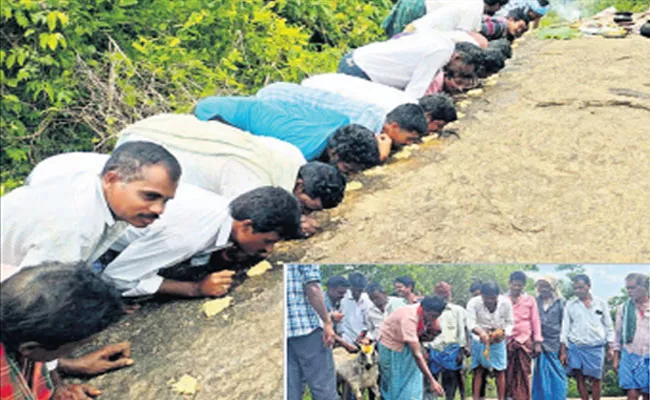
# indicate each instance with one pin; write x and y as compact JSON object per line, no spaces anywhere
{"x":553,"y":165}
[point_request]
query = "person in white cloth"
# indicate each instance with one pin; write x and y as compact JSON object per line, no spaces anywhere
{"x":75,"y":218}
{"x":197,"y":224}
{"x":228,"y":161}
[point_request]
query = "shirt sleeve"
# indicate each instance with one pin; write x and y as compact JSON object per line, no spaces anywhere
{"x":146,"y":286}
{"x":471,"y":316}
{"x":460,"y":330}
{"x":618,"y":327}
{"x":427,"y":70}
{"x":509,"y":318}
{"x":609,"y":325}
{"x":535,"y":321}
{"x":65,"y":244}
{"x":442,"y":19}
{"x":566,"y":322}
{"x":409,"y":330}
{"x":310,"y":273}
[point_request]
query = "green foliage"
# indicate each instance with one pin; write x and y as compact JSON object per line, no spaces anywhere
{"x":74,"y":73}
{"x":621,"y":5}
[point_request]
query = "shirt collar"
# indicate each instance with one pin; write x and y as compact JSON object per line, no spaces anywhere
{"x":107,"y":214}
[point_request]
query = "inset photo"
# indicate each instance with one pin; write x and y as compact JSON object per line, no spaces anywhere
{"x":467,"y":331}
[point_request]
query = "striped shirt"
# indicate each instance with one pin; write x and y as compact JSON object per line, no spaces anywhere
{"x":301,"y":317}
{"x":362,"y":113}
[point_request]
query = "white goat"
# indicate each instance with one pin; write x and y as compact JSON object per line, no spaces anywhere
{"x":357,"y":372}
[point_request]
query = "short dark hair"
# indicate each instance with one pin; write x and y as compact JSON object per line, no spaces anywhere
{"x":470,"y":53}
{"x":490,"y":288}
{"x":410,"y":117}
{"x":406,"y":281}
{"x":476,"y":285}
{"x":491,"y":2}
{"x":323,"y":181}
{"x":582,"y":277}
{"x":129,"y":158}
{"x":357,"y":280}
{"x":503,"y":45}
{"x":639,"y":279}
{"x":434,"y":303}
{"x":337,"y":281}
{"x":518,"y":276}
{"x":375,"y":287}
{"x":271,"y":209}
{"x":355,"y":144}
{"x":439,"y":106}
{"x":55,"y":304}
{"x":493,"y":61}
{"x":519,"y":14}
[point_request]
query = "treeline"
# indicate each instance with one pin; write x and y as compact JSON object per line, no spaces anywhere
{"x":74,"y":73}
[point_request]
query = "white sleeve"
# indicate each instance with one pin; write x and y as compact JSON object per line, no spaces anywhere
{"x":443,"y":19}
{"x":136,"y":267}
{"x":146,"y":286}
{"x":427,"y":70}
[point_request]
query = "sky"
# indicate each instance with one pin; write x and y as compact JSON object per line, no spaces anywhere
{"x":607,"y":280}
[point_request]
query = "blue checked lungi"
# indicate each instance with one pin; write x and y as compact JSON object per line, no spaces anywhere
{"x":588,"y":359}
{"x":549,"y":378}
{"x":401,"y":378}
{"x":403,"y":13}
{"x":498,"y":356}
{"x":634,"y":371}
{"x":444,"y":360}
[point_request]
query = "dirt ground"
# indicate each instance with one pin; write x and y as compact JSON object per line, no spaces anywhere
{"x":552,"y":166}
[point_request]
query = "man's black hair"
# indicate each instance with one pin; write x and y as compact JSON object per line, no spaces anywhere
{"x":493,"y":61}
{"x":271,"y":209}
{"x":129,"y":158}
{"x":518,"y":276}
{"x":490,"y":288}
{"x":434,"y":303}
{"x":337,"y":281}
{"x":476,"y":285}
{"x":469,"y":53}
{"x":439,"y":106}
{"x":406,"y":281}
{"x":355,"y":144}
{"x":357,"y":280}
{"x":520,"y":14}
{"x":409,"y":117}
{"x":55,"y":304}
{"x":582,"y":277}
{"x":323,"y":181}
{"x":375,"y":287}
{"x":503,"y":45}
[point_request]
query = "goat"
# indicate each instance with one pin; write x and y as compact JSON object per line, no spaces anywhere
{"x":357,"y":373}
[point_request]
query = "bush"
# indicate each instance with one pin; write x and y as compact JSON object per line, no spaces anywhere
{"x":74,"y":73}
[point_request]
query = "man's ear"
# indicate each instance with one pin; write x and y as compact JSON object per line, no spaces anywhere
{"x":27,"y":349}
{"x":247,"y":225}
{"x":111,"y":177}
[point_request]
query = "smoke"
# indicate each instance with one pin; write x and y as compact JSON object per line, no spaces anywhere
{"x":569,"y":10}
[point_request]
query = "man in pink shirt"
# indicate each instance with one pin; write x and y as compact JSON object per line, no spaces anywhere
{"x":526,"y":339}
{"x":401,"y":362}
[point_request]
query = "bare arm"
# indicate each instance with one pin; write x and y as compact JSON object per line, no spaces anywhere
{"x":315,"y":296}
{"x":420,"y":361}
{"x":215,"y":284}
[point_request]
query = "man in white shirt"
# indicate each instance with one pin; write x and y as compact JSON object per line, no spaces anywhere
{"x":411,"y":62}
{"x":75,"y":218}
{"x":587,"y":329}
{"x":447,"y":350}
{"x":382,"y":306}
{"x":354,"y":307}
{"x":490,"y":320}
{"x":197,"y":222}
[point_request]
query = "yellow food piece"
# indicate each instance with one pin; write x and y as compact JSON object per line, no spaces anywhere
{"x":366,"y":348}
{"x":460,"y":115}
{"x":402,"y":155}
{"x":475,"y":92}
{"x":186,"y":385}
{"x":486,"y":353}
{"x":514,"y":45}
{"x":214,"y":307}
{"x":463,"y":103}
{"x":259,"y":269}
{"x":380,"y":170}
{"x":354,"y":185}
{"x":429,"y":138}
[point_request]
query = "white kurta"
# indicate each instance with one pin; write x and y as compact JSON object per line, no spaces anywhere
{"x":385,"y":97}
{"x":408,"y":63}
{"x":195,"y":222}
{"x":218,"y":157}
{"x":66,"y":220}
{"x":468,"y":14}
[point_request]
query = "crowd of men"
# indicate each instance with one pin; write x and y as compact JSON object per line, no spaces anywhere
{"x":529,"y":344}
{"x":213,"y":191}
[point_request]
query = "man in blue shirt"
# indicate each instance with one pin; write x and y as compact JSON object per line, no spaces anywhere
{"x":320,"y":134}
{"x":405,"y":124}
